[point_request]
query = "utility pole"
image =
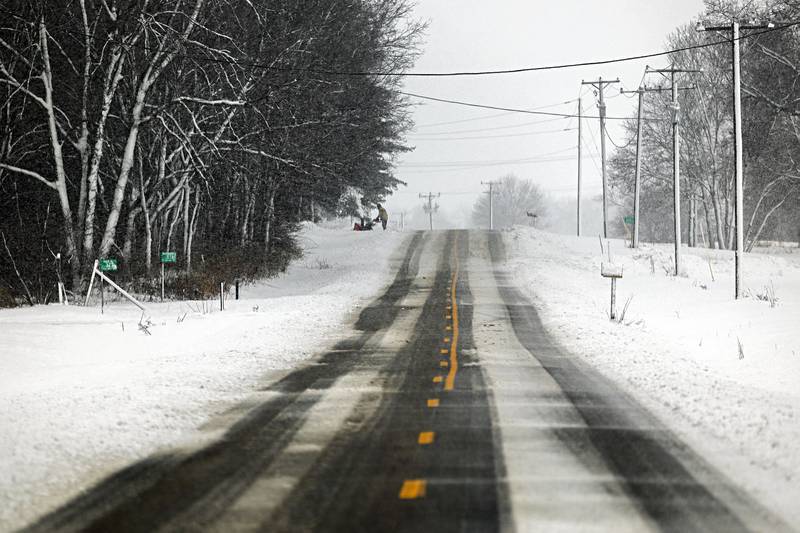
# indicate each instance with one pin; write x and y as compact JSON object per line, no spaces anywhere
{"x":676,"y":157}
{"x":579,"y":166}
{"x":638,"y":172}
{"x":601,"y":105}
{"x":430,"y":208}
{"x":734,"y":28}
{"x":491,"y":185}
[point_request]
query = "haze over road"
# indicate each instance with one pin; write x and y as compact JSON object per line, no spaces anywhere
{"x":451,"y":409}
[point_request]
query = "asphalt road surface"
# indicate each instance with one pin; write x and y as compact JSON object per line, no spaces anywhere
{"x":449,"y":409}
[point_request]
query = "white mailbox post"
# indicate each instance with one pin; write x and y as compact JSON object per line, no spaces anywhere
{"x":610,"y":270}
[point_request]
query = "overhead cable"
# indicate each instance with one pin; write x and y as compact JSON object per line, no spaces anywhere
{"x":515,"y":110}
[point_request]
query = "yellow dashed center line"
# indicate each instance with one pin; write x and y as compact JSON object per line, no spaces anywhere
{"x":415,"y":488}
{"x":451,"y":375}
{"x":412,"y":489}
{"x":426,"y":437}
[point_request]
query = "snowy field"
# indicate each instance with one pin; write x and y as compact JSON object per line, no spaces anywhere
{"x":724,"y":374}
{"x":83,"y":394}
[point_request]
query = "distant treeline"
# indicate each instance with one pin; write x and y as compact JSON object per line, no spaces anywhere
{"x":210,"y":128}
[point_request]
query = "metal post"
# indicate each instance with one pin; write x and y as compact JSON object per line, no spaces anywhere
{"x":162,"y":281}
{"x":221,"y":292}
{"x":676,"y":172}
{"x":638,"y":173}
{"x":579,"y":168}
{"x":237,"y":289}
{"x":102,"y":295}
{"x":737,"y":128}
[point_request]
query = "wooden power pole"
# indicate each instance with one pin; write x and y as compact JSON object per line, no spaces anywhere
{"x":601,"y":105}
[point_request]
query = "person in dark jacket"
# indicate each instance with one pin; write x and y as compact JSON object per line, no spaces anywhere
{"x":383,"y":216}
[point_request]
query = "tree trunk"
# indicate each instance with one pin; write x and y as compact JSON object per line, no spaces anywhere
{"x":192,"y":229}
{"x":268,"y":224}
{"x":58,"y":160}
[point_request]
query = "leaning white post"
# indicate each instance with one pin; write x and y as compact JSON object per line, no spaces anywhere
{"x":122,"y":291}
{"x":91,"y":282}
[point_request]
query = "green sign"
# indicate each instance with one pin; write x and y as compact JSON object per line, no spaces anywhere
{"x":108,"y":265}
{"x":169,"y":257}
{"x":629,"y":219}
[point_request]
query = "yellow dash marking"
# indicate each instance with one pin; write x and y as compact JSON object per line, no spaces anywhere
{"x":448,"y":328}
{"x":433,"y":402}
{"x":448,"y":317}
{"x":412,"y":489}
{"x":451,"y":375}
{"x":447,"y":339}
{"x":426,"y":437}
{"x":449,"y":307}
{"x":437,"y":379}
{"x":443,"y":363}
{"x":444,"y":351}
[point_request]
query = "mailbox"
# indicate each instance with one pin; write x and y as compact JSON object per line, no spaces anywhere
{"x":610,"y":270}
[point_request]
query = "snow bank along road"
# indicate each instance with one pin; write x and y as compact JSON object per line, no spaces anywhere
{"x":450,"y":410}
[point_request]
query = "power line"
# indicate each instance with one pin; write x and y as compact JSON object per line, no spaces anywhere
{"x":526,"y":134}
{"x":449,"y":122}
{"x":452,"y":169}
{"x":494,"y":128}
{"x":310,"y":70}
{"x":497,"y":71}
{"x":608,"y":136}
{"x":486,"y":161}
{"x":487,"y":117}
{"x":514,"y":110}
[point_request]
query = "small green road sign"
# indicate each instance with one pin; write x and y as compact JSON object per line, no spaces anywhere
{"x":108,"y":265}
{"x":169,"y":257}
{"x":629,"y":219}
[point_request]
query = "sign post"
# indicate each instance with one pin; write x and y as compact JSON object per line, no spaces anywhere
{"x":105,"y":265}
{"x":628,"y":220}
{"x":166,"y":257}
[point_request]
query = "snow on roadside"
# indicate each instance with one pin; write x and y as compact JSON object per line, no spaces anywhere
{"x":82,"y":394}
{"x":678,"y":348}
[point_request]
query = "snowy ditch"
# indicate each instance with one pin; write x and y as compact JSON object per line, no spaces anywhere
{"x":723,"y":374}
{"x":83,"y":394}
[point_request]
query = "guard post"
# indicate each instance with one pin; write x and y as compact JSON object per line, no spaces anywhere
{"x":610,"y":270}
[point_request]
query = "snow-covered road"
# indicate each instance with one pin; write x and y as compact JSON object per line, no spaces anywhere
{"x":543,"y":414}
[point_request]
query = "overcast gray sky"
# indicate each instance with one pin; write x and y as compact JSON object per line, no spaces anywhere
{"x":468,"y":35}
